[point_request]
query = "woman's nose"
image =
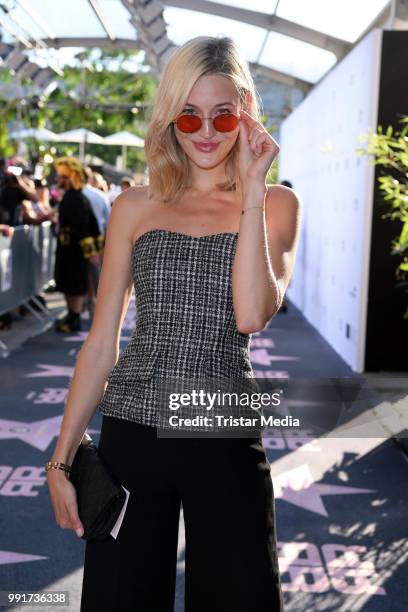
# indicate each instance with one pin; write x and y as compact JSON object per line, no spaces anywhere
{"x":207,"y":128}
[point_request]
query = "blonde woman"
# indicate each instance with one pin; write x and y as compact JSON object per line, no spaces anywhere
{"x":210,"y":249}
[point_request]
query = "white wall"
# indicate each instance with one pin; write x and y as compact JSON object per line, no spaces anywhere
{"x":318,"y":142}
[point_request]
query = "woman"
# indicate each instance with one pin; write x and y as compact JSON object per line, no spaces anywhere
{"x":209,"y":268}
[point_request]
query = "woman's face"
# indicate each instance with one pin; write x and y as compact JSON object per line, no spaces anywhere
{"x":210,"y":96}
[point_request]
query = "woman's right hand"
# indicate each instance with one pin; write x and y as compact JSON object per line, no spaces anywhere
{"x":64,"y":501}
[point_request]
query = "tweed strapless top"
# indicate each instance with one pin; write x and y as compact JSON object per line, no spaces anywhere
{"x":185,"y":323}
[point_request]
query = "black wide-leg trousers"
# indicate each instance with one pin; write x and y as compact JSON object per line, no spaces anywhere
{"x":225,"y":488}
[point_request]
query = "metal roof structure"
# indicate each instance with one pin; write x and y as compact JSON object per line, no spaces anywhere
{"x":289,"y":43}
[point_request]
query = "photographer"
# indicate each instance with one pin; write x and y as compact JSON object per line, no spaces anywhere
{"x":35,"y":212}
{"x":16,"y":187}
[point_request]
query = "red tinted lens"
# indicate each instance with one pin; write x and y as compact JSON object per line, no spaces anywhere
{"x":188,"y":123}
{"x":226,"y":122}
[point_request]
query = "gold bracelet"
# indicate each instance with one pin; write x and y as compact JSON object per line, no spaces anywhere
{"x":57,"y":465}
{"x":249,"y":207}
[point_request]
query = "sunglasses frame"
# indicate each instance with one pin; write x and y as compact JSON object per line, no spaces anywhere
{"x":202,"y":118}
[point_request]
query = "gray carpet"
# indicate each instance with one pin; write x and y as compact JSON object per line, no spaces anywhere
{"x":341,"y":503}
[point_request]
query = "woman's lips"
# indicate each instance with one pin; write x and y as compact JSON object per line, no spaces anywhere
{"x":206,"y":147}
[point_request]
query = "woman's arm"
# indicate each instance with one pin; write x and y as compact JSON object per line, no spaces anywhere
{"x":30,"y":216}
{"x":26,"y":185}
{"x":268,"y":232}
{"x":100,"y":350}
{"x":265,"y":255}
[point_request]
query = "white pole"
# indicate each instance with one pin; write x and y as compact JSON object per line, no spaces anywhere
{"x":124,"y":157}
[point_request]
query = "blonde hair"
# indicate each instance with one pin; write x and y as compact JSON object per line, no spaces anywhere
{"x":75,"y":170}
{"x":167,"y":162}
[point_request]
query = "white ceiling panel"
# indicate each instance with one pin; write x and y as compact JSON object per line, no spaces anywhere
{"x":345,"y":19}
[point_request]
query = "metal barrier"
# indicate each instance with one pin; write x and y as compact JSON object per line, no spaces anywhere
{"x":26,"y":265}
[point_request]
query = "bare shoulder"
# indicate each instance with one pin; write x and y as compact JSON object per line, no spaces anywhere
{"x":282,"y":197}
{"x":132,"y":200}
{"x":133,"y":206}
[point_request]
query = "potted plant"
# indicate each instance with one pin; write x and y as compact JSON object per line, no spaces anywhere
{"x":390,"y":151}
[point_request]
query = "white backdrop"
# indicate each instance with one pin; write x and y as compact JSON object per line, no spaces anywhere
{"x":318,"y":142}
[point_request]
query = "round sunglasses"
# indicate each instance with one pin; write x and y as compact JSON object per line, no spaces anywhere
{"x":192,"y":123}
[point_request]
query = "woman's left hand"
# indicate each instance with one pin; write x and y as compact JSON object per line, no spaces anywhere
{"x":257,"y":149}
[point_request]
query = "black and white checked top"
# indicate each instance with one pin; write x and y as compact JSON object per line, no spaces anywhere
{"x":185,"y":321}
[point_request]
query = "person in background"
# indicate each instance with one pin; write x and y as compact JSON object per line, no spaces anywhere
{"x":99,"y":182}
{"x":98,"y":199}
{"x":126,"y":182}
{"x":42,"y":191}
{"x":101,"y":209}
{"x":138,"y":178}
{"x":6,"y":319}
{"x":114,"y":191}
{"x":77,"y":241}
{"x":35,"y":212}
{"x":15,"y":189}
{"x":5,"y":230}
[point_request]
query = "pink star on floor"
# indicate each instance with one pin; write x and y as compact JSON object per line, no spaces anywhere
{"x":82,"y":336}
{"x":51,"y":370}
{"x":78,"y":337}
{"x":37,"y":433}
{"x":263,"y":357}
{"x":6,"y":557}
{"x":298,"y":487}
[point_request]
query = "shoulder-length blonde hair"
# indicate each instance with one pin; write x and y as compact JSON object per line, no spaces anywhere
{"x":166,"y":161}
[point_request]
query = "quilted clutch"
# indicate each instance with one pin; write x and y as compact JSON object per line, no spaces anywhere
{"x":100,"y":496}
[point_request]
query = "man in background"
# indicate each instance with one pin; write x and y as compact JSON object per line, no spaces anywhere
{"x":101,"y":209}
{"x":77,"y":243}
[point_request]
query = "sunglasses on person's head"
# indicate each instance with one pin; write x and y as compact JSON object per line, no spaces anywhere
{"x":226,"y":122}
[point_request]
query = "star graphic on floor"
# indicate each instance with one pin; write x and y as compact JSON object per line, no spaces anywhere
{"x":51,"y":370}
{"x":297,"y":487}
{"x":7,"y":556}
{"x":37,"y":433}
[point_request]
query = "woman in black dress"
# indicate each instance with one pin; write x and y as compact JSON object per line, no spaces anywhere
{"x":209,"y":248}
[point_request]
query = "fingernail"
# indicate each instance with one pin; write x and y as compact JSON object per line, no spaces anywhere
{"x":79,"y":531}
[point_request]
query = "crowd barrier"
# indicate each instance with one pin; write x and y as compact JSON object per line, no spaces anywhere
{"x":26,"y":263}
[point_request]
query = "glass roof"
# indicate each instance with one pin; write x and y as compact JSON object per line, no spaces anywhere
{"x":344,"y":19}
{"x":76,"y":18}
{"x":28,"y":20}
{"x":271,"y":49}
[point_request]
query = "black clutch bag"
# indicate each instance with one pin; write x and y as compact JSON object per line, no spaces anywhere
{"x":100,"y":497}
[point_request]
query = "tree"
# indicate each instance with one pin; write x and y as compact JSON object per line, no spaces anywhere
{"x":105,"y":91}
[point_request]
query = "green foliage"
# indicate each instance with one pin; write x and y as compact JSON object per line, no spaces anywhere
{"x":272,"y":176}
{"x":7,"y":110}
{"x":390,"y":151}
{"x":105,"y":91}
{"x":5,"y":148}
